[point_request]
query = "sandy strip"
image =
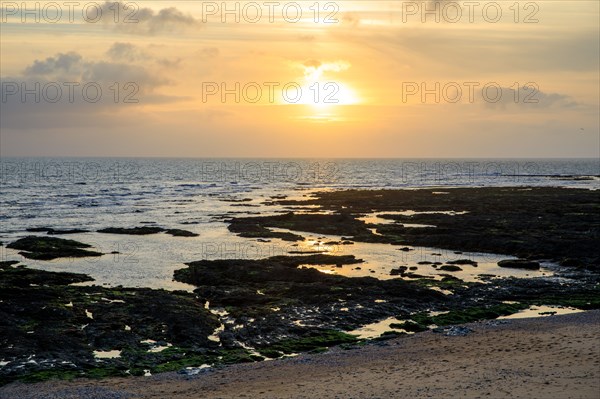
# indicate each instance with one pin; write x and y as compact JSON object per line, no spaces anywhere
{"x":553,"y":357}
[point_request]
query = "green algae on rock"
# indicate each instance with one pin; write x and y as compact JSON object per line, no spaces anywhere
{"x":49,"y":328}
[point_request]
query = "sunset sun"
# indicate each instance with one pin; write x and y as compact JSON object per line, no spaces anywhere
{"x":324,"y":94}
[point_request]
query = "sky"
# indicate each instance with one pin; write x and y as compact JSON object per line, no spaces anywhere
{"x":308,"y":78}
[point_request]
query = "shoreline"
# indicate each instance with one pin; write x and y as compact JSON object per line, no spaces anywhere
{"x":549,"y":357}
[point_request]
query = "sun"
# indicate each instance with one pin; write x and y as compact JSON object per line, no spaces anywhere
{"x":327,"y":94}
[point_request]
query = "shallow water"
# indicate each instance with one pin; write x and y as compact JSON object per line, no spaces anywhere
{"x":107,"y":354}
{"x":150,"y":260}
{"x":380,"y":259}
{"x":375,"y":330}
{"x":541,"y":311}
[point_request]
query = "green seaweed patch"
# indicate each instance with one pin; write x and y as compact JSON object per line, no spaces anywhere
{"x":586,"y":301}
{"x":409,"y":326}
{"x":314,"y":342}
{"x":196,"y":359}
{"x":192,"y":360}
{"x":447,"y":282}
{"x":165,"y":361}
{"x":468,"y":315}
{"x":67,"y":374}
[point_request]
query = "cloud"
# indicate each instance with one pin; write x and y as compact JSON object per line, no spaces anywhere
{"x":451,"y":49}
{"x":530,"y":96}
{"x":120,"y":51}
{"x":68,"y":90}
{"x":73,"y":66}
{"x":146,"y":21}
{"x":306,"y":38}
{"x":315,"y":69}
{"x":65,"y":63}
{"x":126,"y":51}
{"x":312,"y":63}
{"x":210,"y":52}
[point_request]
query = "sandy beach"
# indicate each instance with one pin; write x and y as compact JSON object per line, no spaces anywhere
{"x":552,"y":357}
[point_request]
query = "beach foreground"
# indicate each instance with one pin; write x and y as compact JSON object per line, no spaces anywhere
{"x":551,"y":357}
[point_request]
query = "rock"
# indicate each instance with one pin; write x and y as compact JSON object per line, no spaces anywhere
{"x":519,"y":264}
{"x":181,"y":233}
{"x":450,"y":268}
{"x":138,"y":231}
{"x":486,"y":220}
{"x":52,"y":231}
{"x":462,"y":262}
{"x":190,"y":371}
{"x":67,"y":231}
{"x":570,"y":262}
{"x":38,"y":229}
{"x":45,"y":316}
{"x":342,"y":224}
{"x":448,"y":277}
{"x":24,"y":277}
{"x":453,"y":331}
{"x":48,"y":248}
{"x":405,"y":249}
{"x":415,"y":275}
{"x":399,"y":271}
{"x":7,"y":263}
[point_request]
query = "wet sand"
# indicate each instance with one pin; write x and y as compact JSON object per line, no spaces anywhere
{"x":552,"y":357}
